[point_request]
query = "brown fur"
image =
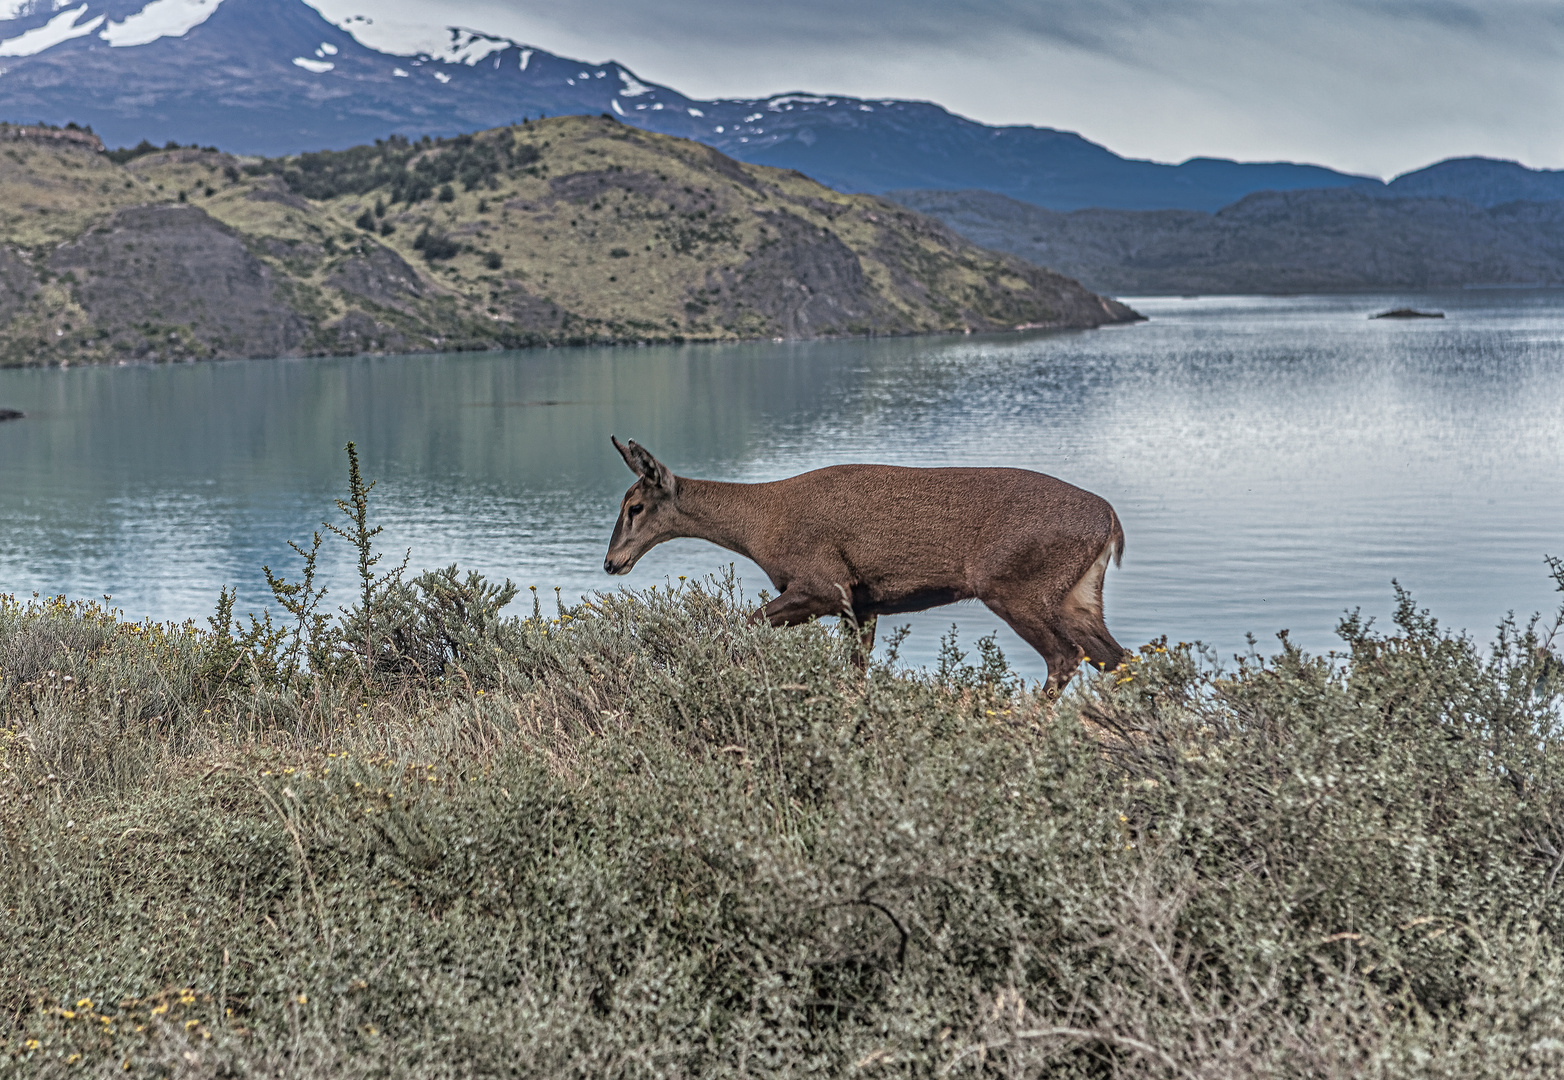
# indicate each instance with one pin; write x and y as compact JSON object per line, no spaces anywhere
{"x":870,"y":540}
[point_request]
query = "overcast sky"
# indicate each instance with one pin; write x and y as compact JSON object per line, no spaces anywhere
{"x":1364,"y":86}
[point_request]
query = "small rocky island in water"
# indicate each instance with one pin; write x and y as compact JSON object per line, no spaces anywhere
{"x":11,"y":414}
{"x":1408,"y":313}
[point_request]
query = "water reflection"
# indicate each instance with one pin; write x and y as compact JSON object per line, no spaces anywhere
{"x":1275,"y":461}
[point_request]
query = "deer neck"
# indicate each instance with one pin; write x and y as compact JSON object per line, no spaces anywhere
{"x":728,"y":515}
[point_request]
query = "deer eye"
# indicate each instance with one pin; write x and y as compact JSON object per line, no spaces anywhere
{"x":636,"y":509}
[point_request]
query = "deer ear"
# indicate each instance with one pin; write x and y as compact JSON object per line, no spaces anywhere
{"x":654,"y":472}
{"x":624,"y":452}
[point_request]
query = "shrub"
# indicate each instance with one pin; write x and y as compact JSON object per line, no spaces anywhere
{"x":645,"y":836}
{"x":436,"y":246}
{"x":130,"y":153}
{"x":410,"y":171}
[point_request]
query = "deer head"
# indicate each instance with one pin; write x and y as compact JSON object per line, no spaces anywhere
{"x":648,"y":513}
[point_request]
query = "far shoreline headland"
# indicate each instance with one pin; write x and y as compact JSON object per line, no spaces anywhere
{"x":572,"y":231}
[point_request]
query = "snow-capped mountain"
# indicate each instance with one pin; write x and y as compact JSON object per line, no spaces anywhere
{"x":275,"y":77}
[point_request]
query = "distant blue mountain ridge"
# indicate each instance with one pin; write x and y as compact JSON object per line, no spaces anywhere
{"x":274,"y":77}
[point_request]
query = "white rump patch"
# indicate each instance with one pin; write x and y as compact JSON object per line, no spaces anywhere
{"x":58,"y":29}
{"x":1086,"y":595}
{"x":159,"y":19}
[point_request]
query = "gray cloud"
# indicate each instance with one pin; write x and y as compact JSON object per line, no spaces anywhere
{"x":1370,"y":85}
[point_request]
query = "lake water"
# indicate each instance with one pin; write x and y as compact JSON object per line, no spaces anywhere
{"x":1275,"y":461}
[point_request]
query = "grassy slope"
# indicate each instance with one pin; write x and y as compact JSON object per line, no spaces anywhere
{"x":610,"y":235}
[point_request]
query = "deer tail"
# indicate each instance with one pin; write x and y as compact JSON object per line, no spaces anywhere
{"x":1116,"y":540}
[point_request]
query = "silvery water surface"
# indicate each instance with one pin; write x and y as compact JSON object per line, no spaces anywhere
{"x":1275,"y":461}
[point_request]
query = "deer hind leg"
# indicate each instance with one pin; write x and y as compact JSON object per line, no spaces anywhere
{"x":1039,"y":625}
{"x":1081,"y":613}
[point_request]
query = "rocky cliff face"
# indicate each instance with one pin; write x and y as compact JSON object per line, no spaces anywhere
{"x":172,"y":278}
{"x":572,"y":230}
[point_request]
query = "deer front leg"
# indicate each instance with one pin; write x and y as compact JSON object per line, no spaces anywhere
{"x":799,"y":604}
{"x":862,"y":629}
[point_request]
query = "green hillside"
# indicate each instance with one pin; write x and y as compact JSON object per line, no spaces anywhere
{"x":562,"y":231}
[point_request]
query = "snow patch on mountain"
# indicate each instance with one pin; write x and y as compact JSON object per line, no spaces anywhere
{"x":633,"y":87}
{"x":60,"y":28}
{"x":469,"y":46}
{"x":159,"y":19}
{"x":319,"y":67}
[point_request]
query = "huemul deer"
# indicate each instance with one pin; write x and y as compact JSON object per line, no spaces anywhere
{"x":870,"y":540}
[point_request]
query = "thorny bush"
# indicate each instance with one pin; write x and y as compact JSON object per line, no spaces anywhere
{"x":644,"y":836}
